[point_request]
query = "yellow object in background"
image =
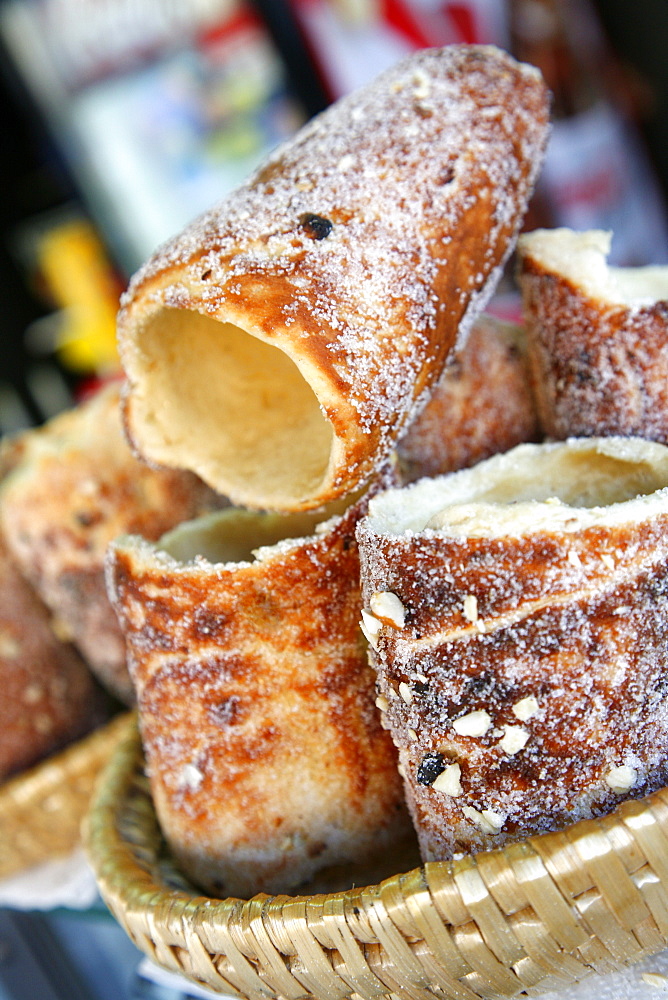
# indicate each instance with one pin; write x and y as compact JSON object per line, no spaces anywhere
{"x":80,"y":279}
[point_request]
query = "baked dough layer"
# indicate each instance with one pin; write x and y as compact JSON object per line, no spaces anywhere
{"x":280,"y":345}
{"x":69,"y":488}
{"x":483,"y":404}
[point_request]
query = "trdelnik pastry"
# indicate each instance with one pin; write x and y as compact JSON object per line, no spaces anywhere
{"x":67,"y":489}
{"x":265,"y":752}
{"x":597,"y":336}
{"x":282,"y":343}
{"x":484,"y":404}
{"x":519,"y":621}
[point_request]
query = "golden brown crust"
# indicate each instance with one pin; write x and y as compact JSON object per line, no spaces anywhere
{"x":71,"y":487}
{"x":359,"y":251}
{"x":48,"y":694}
{"x":265,"y":751}
{"x":483,"y":404}
{"x":552,"y":626}
{"x":599,"y":363}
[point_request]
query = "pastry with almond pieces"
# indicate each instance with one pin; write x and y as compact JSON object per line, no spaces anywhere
{"x":518,"y":621}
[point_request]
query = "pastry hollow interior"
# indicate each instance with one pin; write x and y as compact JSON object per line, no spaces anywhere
{"x":581,"y":258}
{"x":568,"y":486}
{"x":273,"y":429}
{"x":242,"y":536}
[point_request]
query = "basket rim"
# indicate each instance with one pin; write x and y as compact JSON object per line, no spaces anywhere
{"x":584,"y":870}
{"x":41,"y":807}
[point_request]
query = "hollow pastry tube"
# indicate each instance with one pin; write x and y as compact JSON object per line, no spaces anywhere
{"x":70,"y":487}
{"x":265,"y":751}
{"x":597,"y":336}
{"x":519,"y":617}
{"x":280,"y":345}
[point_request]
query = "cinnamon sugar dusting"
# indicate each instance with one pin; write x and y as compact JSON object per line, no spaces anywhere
{"x":413,"y":190}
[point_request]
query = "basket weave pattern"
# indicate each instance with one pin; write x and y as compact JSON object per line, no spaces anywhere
{"x":41,"y":809}
{"x":537,"y":915}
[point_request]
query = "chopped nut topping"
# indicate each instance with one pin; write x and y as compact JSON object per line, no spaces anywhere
{"x":345,"y":163}
{"x":514,"y":739}
{"x":370,"y":628}
{"x":488,"y":821}
{"x":471,"y":608}
{"x":43,"y":723}
{"x":190,"y":777}
{"x":388,"y":608}
{"x":448,"y":780}
{"x":412,"y":735}
{"x":382,"y":703}
{"x":421,"y":84}
{"x":608,"y":561}
{"x":9,"y":646}
{"x":525,"y":708}
{"x":406,"y":693}
{"x":621,"y":779}
{"x":422,"y":679}
{"x":574,"y":559}
{"x":655,"y":979}
{"x":473,"y":724}
{"x":32,"y":694}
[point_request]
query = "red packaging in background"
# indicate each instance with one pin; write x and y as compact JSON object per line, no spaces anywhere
{"x":352,"y":41}
{"x":597,"y":172}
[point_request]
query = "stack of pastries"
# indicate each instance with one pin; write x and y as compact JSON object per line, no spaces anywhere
{"x":280,"y":348}
{"x":383,"y":599}
{"x":66,"y":490}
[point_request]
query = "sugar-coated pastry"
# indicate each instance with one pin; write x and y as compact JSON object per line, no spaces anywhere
{"x":49,"y":697}
{"x":597,"y":336}
{"x":519,"y":621}
{"x":483,"y":404}
{"x":69,"y":488}
{"x":283,"y":342}
{"x":264,"y":747}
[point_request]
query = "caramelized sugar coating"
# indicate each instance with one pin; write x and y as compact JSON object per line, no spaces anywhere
{"x":48,"y":694}
{"x":265,"y":751}
{"x":522,"y":656}
{"x":69,"y":488}
{"x":281,"y":344}
{"x":597,"y":336}
{"x":483,"y":404}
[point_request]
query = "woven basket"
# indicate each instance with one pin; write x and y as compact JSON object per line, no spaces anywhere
{"x":41,"y":809}
{"x":534,"y":916}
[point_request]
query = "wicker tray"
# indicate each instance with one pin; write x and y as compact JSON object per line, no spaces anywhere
{"x":538,"y":915}
{"x":41,"y":809}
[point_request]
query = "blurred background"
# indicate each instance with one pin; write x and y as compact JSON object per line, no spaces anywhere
{"x":123,"y":119}
{"x":120,"y":120}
